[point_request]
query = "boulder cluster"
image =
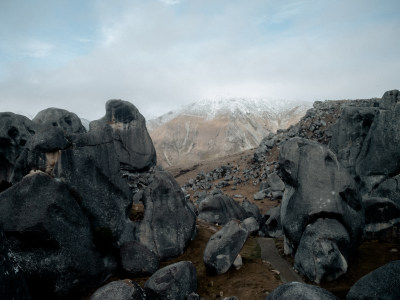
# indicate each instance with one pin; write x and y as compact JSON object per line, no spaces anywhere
{"x":66,"y":200}
{"x":78,"y":207}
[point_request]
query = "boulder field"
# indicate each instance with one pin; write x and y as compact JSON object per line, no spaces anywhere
{"x":69,"y":198}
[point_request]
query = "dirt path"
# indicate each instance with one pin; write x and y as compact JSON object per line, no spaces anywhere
{"x":270,"y":253}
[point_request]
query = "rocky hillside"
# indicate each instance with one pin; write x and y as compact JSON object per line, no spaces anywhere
{"x":215,"y":128}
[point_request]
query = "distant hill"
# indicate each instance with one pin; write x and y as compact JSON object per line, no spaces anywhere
{"x":213,"y":128}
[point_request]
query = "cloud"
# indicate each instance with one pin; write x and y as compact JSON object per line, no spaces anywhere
{"x":162,"y":56}
{"x":170,"y":2}
{"x":36,"y":48}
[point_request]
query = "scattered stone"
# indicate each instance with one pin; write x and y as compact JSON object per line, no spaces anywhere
{"x":238,"y":262}
{"x":223,"y":247}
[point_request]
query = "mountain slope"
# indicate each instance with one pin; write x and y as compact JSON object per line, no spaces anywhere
{"x":213,"y":128}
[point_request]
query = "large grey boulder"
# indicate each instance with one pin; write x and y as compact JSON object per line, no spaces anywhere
{"x":382,"y":219}
{"x":175,"y":281}
{"x":323,"y":251}
{"x":91,"y":169}
{"x":15,"y":132}
{"x":379,"y":157}
{"x":317,"y":186}
{"x":220,"y":209}
{"x":224,"y":246}
{"x":50,"y":238}
{"x":349,"y":133}
{"x":300,"y":291}
{"x":383,"y":283}
{"x":169,"y":223}
{"x":137,"y":260}
{"x":88,"y":163}
{"x":120,"y":290}
{"x":12,"y":281}
{"x":56,"y":117}
{"x":132,"y":141}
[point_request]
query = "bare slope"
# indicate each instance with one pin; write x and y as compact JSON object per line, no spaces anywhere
{"x":212,"y":129}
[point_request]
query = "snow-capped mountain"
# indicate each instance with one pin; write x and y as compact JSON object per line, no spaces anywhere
{"x":211,"y":128}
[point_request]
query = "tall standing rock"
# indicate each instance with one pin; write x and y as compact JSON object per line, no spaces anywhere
{"x":132,"y":142}
{"x":169,"y":223}
{"x":318,"y":189}
{"x":15,"y":132}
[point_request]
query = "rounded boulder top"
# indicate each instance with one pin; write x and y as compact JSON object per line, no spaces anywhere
{"x":57,"y":117}
{"x":122,"y":111}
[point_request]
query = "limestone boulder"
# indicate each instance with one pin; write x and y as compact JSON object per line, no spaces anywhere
{"x":175,"y":281}
{"x":317,"y":186}
{"x":131,"y":139}
{"x":15,"y":132}
{"x":61,"y":118}
{"x":323,"y":251}
{"x":220,"y":209}
{"x":137,"y":260}
{"x":168,"y":223}
{"x":224,"y":246}
{"x":50,"y":238}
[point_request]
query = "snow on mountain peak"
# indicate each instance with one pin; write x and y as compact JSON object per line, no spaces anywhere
{"x":212,"y":108}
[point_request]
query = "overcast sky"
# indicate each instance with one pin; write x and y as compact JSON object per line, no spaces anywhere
{"x":160,"y":54}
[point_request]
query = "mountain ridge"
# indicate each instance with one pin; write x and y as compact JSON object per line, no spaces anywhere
{"x":215,"y":127}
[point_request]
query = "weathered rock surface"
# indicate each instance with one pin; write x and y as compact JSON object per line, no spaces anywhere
{"x":175,"y":281}
{"x":120,"y":290}
{"x":300,"y":291}
{"x":137,"y":260}
{"x":50,"y":238}
{"x":383,"y":283}
{"x":317,"y":186}
{"x":132,"y":142}
{"x":168,"y":222}
{"x":91,"y":169}
{"x":15,"y":132}
{"x":323,"y":251}
{"x":220,"y":209}
{"x":223,"y":247}
{"x":67,"y":121}
{"x":390,"y":188}
{"x":349,"y":133}
{"x":12,"y":281}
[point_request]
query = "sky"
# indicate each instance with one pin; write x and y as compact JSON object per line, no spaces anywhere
{"x":162,"y":54}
